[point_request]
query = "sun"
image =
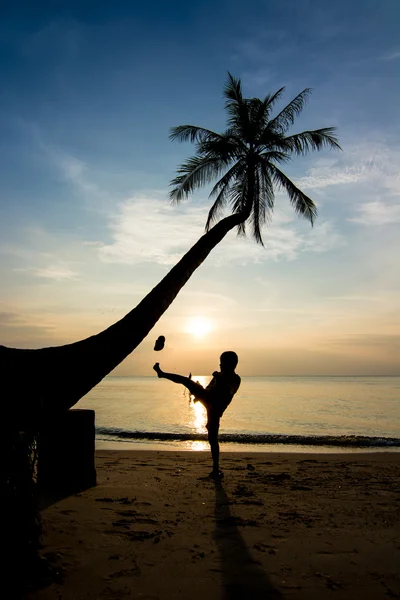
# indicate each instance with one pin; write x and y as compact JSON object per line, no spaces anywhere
{"x":199,"y":326}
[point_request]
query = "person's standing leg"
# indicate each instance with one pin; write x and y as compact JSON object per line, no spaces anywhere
{"x":213,"y":429}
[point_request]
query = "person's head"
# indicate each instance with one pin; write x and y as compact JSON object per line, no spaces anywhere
{"x":228,"y":360}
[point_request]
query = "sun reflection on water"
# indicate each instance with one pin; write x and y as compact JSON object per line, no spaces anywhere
{"x":197,"y":418}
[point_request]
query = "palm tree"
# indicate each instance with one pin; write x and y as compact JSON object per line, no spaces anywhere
{"x":247,"y":156}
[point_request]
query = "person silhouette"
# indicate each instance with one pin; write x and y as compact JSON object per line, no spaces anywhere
{"x":216,"y":397}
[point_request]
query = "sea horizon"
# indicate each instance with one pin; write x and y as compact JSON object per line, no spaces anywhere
{"x":273,"y":413}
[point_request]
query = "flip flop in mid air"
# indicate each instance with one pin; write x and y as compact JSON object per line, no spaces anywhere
{"x":159,"y":345}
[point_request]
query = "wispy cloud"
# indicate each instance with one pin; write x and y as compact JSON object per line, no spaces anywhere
{"x":359,"y":163}
{"x":392,"y":56}
{"x":21,"y":330}
{"x":72,"y":169}
{"x":323,"y":177}
{"x":377,"y":213}
{"x":55,"y":272}
{"x":149,"y":230}
{"x":392,"y":342}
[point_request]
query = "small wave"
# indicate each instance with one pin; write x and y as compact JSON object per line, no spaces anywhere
{"x":348,"y":441}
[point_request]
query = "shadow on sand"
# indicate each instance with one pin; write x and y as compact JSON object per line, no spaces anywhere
{"x":243,"y":577}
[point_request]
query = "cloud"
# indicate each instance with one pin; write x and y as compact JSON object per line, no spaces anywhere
{"x":280,"y":243}
{"x":72,"y":169}
{"x":258,"y":78}
{"x":54,"y":272}
{"x":148,"y":230}
{"x":370,"y":161}
{"x":20,"y":330}
{"x":7,"y":318}
{"x":389,"y":341}
{"x":377,"y":213}
{"x":214,"y":302}
{"x":323,"y":177}
{"x":392,"y":56}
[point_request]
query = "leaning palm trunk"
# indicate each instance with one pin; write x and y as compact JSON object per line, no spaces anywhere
{"x":44,"y":382}
{"x":53,"y":379}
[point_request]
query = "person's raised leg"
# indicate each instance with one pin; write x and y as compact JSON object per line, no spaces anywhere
{"x":194,"y":388}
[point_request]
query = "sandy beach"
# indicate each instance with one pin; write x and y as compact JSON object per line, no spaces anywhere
{"x":277,"y":526}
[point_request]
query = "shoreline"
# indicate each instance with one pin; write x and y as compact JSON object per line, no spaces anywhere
{"x":299,"y":525}
{"x":201,"y":446}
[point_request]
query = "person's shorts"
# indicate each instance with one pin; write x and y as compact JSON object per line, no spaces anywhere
{"x":197,"y":390}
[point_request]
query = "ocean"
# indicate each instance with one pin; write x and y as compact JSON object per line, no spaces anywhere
{"x":306,"y":414}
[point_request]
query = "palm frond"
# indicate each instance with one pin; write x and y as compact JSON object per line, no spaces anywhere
{"x":270,"y":99}
{"x":263,"y":205}
{"x":216,"y":211}
{"x":222,"y":191}
{"x":232,"y":134}
{"x":195,"y":173}
{"x":236,"y":106}
{"x":262,"y":110}
{"x":286,"y":117}
{"x":267,"y":187}
{"x":238,"y":200}
{"x":191,"y":133}
{"x":301,"y":203}
{"x":277,"y":155}
{"x":304,"y":142}
{"x":270,"y":139}
{"x":235,"y":172}
{"x":258,"y":209}
{"x":224,"y":147}
{"x":233,"y":89}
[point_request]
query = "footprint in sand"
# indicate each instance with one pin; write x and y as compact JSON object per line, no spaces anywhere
{"x":237,"y":522}
{"x":125,"y":573}
{"x":140,"y":536}
{"x":264,"y":548}
{"x":243,"y":490}
{"x":130,"y":512}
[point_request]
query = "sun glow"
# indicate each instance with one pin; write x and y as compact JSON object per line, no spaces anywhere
{"x":199,"y":326}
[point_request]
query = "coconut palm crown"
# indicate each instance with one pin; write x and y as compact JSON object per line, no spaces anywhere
{"x":248,"y":155}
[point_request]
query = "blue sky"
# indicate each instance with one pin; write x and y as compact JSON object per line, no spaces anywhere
{"x":89,"y":92}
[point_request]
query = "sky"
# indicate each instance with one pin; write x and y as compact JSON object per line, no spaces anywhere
{"x":89,"y":93}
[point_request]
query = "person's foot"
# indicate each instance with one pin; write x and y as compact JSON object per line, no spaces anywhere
{"x":216,"y":474}
{"x":157,"y":369}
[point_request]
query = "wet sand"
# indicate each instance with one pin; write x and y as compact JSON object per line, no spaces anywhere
{"x":277,"y":526}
